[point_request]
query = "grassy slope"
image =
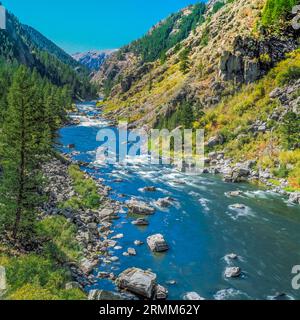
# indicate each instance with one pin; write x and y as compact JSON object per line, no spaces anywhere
{"x":147,"y":102}
{"x":233,"y":117}
{"x":43,"y":276}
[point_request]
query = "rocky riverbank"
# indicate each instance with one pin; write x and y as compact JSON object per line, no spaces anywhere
{"x":94,"y":236}
{"x":217,"y":164}
{"x":93,"y":226}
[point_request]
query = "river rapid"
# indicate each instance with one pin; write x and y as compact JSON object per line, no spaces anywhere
{"x":200,"y":227}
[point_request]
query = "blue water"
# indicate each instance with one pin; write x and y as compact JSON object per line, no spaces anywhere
{"x":200,"y":228}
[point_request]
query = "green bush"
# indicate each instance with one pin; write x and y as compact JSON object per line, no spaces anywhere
{"x":38,"y":277}
{"x":86,"y":189}
{"x":286,"y":76}
{"x":275,"y":10}
{"x":61,"y":242}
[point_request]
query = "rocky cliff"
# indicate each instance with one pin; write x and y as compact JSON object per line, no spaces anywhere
{"x":222,"y":50}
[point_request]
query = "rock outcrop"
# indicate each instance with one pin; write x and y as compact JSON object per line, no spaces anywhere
{"x":157,"y":243}
{"x":139,"y":207}
{"x":138,"y":281}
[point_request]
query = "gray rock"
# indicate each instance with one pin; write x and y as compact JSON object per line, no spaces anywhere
{"x":157,"y":243}
{"x":237,"y":206}
{"x":216,"y":140}
{"x":149,"y":189}
{"x":138,"y":243}
{"x":87,"y":266}
{"x":118,"y":236}
{"x":171,"y":282}
{"x":73,"y":285}
{"x":138,"y":281}
{"x":295,"y":198}
{"x":140,"y":222}
{"x":161,"y":293}
{"x":275,"y":93}
{"x":104,"y":295}
{"x":193,"y":296}
{"x":131,"y":251}
{"x":139,"y":207}
{"x":103,"y":275}
{"x":114,"y":259}
{"x":107,"y":214}
{"x":234,"y":193}
{"x":164,"y":202}
{"x":232,"y":272}
{"x":92,"y":227}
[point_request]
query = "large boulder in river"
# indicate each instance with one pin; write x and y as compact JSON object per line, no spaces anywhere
{"x":139,"y":207}
{"x":140,"y":222}
{"x":138,"y":281}
{"x":157,"y":243}
{"x":232,"y":272}
{"x":295,"y":198}
{"x":164,"y":202}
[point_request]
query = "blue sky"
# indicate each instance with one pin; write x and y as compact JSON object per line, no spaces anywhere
{"x":78,"y":25}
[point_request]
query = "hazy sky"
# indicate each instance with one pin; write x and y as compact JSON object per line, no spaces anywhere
{"x":78,"y":25}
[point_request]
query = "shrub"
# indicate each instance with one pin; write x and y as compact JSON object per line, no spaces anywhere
{"x":275,"y":10}
{"x":32,"y":292}
{"x":60,"y":233}
{"x":86,"y":188}
{"x":286,"y":76}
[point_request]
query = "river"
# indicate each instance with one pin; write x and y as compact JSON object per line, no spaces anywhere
{"x":200,"y":228}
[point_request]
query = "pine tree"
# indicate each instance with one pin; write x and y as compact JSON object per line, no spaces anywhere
{"x":186,"y":115}
{"x":24,"y":145}
{"x":290,"y":130}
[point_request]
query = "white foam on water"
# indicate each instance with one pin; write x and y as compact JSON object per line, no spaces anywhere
{"x":236,"y":213}
{"x":230,"y":294}
{"x":194,"y":194}
{"x":257,"y":194}
{"x":204,"y":203}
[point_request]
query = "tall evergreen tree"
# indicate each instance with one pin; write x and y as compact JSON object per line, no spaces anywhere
{"x":24,"y":144}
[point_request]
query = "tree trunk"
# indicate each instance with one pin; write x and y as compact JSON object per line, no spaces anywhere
{"x":21,"y":178}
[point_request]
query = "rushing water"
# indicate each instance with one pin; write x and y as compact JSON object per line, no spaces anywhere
{"x":200,"y":228}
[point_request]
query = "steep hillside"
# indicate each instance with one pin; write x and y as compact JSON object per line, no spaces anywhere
{"x":226,"y":46}
{"x":129,"y":64}
{"x":45,"y":44}
{"x":236,"y":74}
{"x":24,"y":45}
{"x":258,"y":129}
{"x":92,"y":60}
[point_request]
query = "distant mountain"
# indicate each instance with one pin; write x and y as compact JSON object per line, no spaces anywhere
{"x":93,"y":59}
{"x":45,"y":44}
{"x":24,"y":45}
